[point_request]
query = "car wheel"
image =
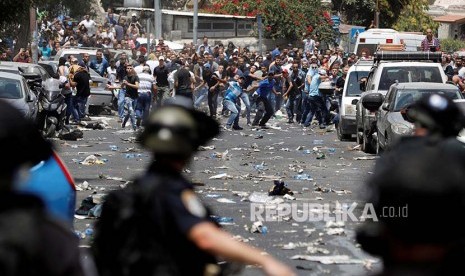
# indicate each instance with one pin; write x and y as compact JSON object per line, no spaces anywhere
{"x":367,"y":145}
{"x":340,"y":135}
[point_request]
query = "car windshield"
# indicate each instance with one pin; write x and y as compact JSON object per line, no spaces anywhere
{"x":10,"y":89}
{"x":409,"y":74}
{"x":407,"y":97}
{"x":353,"y":84}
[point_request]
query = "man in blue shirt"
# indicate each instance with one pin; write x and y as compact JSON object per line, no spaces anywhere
{"x":230,"y":101}
{"x":315,"y":100}
{"x":45,"y":51}
{"x":264,"y":106}
{"x":99,"y":64}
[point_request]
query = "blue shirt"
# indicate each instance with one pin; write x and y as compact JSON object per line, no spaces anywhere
{"x":265,"y":87}
{"x":314,"y":91}
{"x":234,"y":91}
{"x":101,"y":67}
{"x":275,"y":53}
{"x":46,"y":52}
{"x":311,"y":72}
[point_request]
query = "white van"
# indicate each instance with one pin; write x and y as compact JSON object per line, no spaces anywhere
{"x":369,"y":40}
{"x":347,"y":111}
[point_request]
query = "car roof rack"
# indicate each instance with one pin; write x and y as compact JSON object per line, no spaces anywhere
{"x":407,"y":56}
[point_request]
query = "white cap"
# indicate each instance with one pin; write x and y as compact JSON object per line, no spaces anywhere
{"x":161,"y":58}
{"x":134,"y":14}
{"x":322,"y":72}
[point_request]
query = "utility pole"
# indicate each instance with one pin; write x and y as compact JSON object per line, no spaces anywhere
{"x":260,"y":33}
{"x":33,"y":28}
{"x":377,"y":14}
{"x":196,"y":22}
{"x":157,"y":20}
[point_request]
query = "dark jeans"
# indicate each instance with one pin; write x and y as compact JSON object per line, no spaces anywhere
{"x":143,"y":105}
{"x":264,"y":106}
{"x":317,"y":106}
{"x":80,"y":106}
{"x":70,"y":109}
{"x":213,"y":102}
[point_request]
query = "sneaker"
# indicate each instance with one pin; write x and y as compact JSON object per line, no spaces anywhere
{"x":138,"y":121}
{"x":237,"y":128}
{"x":290,"y":122}
{"x":86,"y":118}
{"x":322,"y":126}
{"x":226,"y":128}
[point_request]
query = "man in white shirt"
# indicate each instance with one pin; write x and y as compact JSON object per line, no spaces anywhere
{"x":89,"y":24}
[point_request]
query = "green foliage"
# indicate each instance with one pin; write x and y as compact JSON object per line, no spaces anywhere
{"x":282,"y":19}
{"x":413,"y":17}
{"x":362,"y":12}
{"x":452,"y":45}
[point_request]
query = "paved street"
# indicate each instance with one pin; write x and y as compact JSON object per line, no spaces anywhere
{"x":251,"y":159}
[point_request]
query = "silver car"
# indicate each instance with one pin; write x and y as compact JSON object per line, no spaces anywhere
{"x":390,"y":124}
{"x":14,"y":90}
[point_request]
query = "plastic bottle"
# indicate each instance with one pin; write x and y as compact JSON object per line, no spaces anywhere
{"x":264,"y":230}
{"x":222,"y":219}
{"x":89,"y":231}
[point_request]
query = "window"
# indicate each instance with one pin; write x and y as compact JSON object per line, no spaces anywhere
{"x":353,"y":84}
{"x":408,"y":74}
{"x":212,"y":25}
{"x":10,"y":89}
{"x":406,"y":97}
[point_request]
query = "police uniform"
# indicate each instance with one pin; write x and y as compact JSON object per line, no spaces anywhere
{"x":183,"y":210}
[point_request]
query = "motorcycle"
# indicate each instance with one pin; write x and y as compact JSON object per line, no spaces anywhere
{"x":52,"y":108}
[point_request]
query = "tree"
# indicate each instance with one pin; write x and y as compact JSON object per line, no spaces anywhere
{"x":362,"y":12}
{"x":14,"y":15}
{"x":282,"y":19}
{"x":413,"y":17}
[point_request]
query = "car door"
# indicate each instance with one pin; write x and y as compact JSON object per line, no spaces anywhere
{"x":382,"y":122}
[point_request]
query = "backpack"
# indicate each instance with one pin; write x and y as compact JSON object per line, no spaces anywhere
{"x":126,"y":240}
{"x":19,"y":243}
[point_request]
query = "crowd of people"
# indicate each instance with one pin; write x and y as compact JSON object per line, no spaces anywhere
{"x":286,"y":78}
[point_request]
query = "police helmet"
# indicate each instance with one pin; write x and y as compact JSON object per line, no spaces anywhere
{"x":438,"y":114}
{"x":416,"y":205}
{"x":20,"y":141}
{"x":176,"y":129}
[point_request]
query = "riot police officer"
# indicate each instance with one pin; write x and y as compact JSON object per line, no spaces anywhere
{"x":188,"y":242}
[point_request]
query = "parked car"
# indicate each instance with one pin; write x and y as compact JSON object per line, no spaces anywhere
{"x":14,"y":90}
{"x":19,"y":67}
{"x":390,"y":124}
{"x":347,"y":111}
{"x":100,"y":98}
{"x":389,"y":68}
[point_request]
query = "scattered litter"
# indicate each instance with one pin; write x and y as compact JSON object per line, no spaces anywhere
{"x":289,"y":197}
{"x":320,"y":156}
{"x":223,"y":220}
{"x":303,"y":176}
{"x":212,"y":195}
{"x":204,"y":148}
{"x":93,"y":160}
{"x":258,"y":227}
{"x":71,"y":135}
{"x":264,"y":198}
{"x":258,"y":136}
{"x":279,"y":189}
{"x":220,"y":155}
{"x":366,"y":158}
{"x":357,"y":147}
{"x":261,"y":166}
{"x":132,"y":155}
{"x":225,"y":200}
{"x":300,"y":148}
{"x":318,"y":142}
{"x":102,"y":176}
{"x":113,"y":147}
{"x":334,"y":259}
{"x":254,"y":146}
{"x":84,"y":186}
{"x":221,"y":176}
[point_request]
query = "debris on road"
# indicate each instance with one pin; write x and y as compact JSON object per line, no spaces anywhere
{"x":279,"y":189}
{"x":93,"y":160}
{"x":366,"y":158}
{"x":221,"y":176}
{"x":333,"y":259}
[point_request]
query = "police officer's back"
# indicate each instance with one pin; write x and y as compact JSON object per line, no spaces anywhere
{"x":31,"y":242}
{"x":184,"y":241}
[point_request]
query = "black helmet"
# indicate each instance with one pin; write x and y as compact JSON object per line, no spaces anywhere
{"x":426,"y":194}
{"x":20,"y":141}
{"x":176,"y":129}
{"x":438,"y":114}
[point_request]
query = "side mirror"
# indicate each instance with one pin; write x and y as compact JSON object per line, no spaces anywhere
{"x":372,"y":101}
{"x":31,"y":97}
{"x":354,"y":101}
{"x":385,"y":106}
